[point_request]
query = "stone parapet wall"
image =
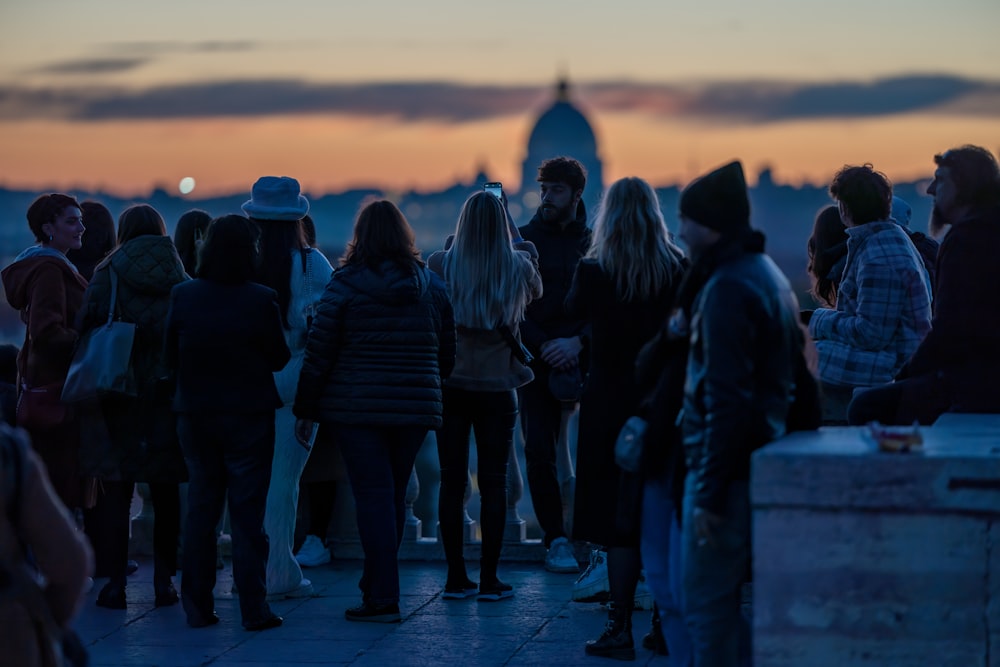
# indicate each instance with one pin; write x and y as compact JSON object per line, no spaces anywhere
{"x":869,"y":558}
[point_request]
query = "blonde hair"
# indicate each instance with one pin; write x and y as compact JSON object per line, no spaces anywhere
{"x":631,"y":242}
{"x":487,"y":277}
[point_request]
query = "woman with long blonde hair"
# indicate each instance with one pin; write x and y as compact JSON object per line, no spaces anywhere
{"x":490,"y":282}
{"x":624,"y":289}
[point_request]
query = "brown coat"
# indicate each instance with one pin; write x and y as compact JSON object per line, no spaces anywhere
{"x":48,"y":291}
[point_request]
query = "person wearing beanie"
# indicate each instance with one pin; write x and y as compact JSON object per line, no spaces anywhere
{"x":956,"y":365}
{"x":561,"y":236}
{"x":883,"y":308}
{"x":299,"y":274}
{"x":741,"y":317}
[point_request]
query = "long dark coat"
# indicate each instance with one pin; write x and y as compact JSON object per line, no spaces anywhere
{"x":140,"y":442}
{"x":610,"y":397}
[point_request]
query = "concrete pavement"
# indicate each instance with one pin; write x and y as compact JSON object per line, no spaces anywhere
{"x":540,"y":625}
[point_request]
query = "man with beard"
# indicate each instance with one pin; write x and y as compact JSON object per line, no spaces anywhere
{"x":957,"y":365}
{"x":559,"y":232}
{"x":741,"y":317}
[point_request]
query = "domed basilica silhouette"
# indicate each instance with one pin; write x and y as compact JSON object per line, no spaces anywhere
{"x":562,"y":129}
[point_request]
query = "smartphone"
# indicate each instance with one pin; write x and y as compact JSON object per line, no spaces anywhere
{"x":495,"y":188}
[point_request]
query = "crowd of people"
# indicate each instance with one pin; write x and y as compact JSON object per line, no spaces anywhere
{"x":251,"y":350}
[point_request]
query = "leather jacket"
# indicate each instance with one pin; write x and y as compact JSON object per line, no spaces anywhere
{"x":744,"y":341}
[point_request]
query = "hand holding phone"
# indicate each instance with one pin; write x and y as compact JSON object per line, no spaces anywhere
{"x":495,"y":188}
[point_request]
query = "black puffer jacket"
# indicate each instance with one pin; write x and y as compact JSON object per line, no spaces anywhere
{"x":380,"y":345}
{"x":559,"y":251}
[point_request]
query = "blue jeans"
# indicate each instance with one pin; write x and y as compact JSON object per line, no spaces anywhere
{"x":379,"y":460}
{"x":713,"y":579}
{"x":226,"y":454}
{"x":661,"y":556}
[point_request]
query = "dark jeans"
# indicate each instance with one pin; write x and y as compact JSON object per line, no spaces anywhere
{"x":492,"y":415}
{"x":226,"y":454}
{"x":541,"y":418}
{"x":918,"y":399}
{"x":379,"y":460}
{"x":713,"y":577}
{"x":107,"y":526}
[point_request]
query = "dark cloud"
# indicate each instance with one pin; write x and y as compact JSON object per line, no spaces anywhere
{"x":92,"y":66}
{"x":164,"y":47}
{"x":742,"y":102}
{"x":771,"y":101}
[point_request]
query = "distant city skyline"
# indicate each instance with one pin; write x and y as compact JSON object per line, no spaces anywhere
{"x":114,"y":96}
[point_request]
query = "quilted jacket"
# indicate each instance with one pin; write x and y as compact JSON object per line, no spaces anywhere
{"x":143,"y":442}
{"x":380,"y":346}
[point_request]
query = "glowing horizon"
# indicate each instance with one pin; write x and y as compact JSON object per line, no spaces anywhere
{"x":402,"y":97}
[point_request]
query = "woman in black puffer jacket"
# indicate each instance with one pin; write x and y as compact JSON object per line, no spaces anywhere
{"x":381,"y":344}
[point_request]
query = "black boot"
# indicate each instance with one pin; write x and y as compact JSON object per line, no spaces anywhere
{"x":112,"y":596}
{"x":616,"y":641}
{"x":654,"y":640}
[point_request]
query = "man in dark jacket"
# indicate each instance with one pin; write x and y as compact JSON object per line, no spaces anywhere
{"x":956,"y":366}
{"x":560,"y":234}
{"x":744,"y":337}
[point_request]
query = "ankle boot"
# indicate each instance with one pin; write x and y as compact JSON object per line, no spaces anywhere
{"x":616,"y":641}
{"x":112,"y":596}
{"x":654,"y":640}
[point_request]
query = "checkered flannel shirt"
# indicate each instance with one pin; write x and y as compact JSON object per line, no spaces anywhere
{"x":883,"y":309}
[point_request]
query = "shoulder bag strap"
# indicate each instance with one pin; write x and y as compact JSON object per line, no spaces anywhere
{"x":114,"y":293}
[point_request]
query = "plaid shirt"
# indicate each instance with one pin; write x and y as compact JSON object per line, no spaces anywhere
{"x":883,"y":309}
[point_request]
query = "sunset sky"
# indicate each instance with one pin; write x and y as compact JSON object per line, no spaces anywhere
{"x":126,"y":96}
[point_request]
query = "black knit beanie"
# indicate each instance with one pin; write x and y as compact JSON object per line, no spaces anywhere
{"x":718,"y":200}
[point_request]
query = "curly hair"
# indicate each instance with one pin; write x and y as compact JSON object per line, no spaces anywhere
{"x":864,"y":192}
{"x":563,"y":169}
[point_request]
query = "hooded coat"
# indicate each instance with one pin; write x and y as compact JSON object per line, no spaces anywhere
{"x":48,"y":290}
{"x":381,"y":344}
{"x":141,"y":430}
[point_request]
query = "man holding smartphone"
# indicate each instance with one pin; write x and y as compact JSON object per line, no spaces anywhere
{"x":560,"y":233}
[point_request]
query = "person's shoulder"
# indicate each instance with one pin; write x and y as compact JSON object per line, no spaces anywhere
{"x":435,"y":281}
{"x":319,"y":260}
{"x":436,"y":262}
{"x":260,"y":291}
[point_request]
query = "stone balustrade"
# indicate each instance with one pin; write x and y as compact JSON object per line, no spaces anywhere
{"x":522,"y":538}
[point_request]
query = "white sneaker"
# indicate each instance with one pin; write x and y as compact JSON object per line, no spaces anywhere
{"x":313,"y":553}
{"x":643,"y":596}
{"x":303,"y":590}
{"x":560,"y":558}
{"x":593,"y":584}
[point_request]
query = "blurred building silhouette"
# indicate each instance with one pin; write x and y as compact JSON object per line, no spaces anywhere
{"x":562,"y":129}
